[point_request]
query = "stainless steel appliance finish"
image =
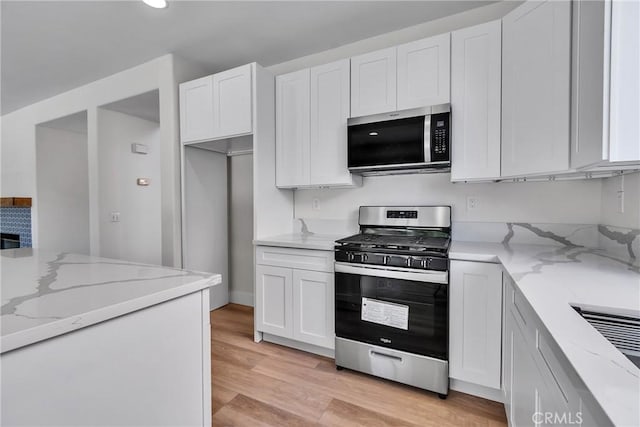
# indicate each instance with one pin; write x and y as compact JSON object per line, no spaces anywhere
{"x":403,"y":114}
{"x":408,"y":141}
{"x":392,"y":285}
{"x":405,"y":216}
{"x":419,"y":371}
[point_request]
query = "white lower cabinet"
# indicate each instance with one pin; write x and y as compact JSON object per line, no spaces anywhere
{"x":293,"y":302}
{"x":539,"y":387}
{"x":274,"y":300}
{"x":313,"y":307}
{"x":475,"y":323}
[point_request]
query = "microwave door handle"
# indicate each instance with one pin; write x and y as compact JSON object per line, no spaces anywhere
{"x":427,"y":138}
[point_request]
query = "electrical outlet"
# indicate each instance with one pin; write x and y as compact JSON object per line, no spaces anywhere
{"x":115,"y":216}
{"x":472,"y":203}
{"x":315,"y":204}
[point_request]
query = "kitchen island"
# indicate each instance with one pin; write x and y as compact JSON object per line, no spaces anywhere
{"x":95,"y":341}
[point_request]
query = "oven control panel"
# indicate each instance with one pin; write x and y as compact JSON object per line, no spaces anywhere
{"x":402,"y":214}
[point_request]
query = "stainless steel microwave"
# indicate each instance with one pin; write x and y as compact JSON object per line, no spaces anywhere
{"x":416,"y":140}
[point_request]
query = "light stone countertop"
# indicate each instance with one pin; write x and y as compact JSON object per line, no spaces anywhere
{"x":322,"y":242}
{"x":552,"y":278}
{"x":46,"y":294}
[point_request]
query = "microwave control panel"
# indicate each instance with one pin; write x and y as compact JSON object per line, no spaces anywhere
{"x":440,"y":137}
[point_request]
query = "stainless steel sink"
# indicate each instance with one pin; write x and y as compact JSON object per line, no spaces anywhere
{"x":622,"y":329}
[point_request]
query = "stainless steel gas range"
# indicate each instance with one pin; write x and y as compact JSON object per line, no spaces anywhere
{"x":392,"y":296}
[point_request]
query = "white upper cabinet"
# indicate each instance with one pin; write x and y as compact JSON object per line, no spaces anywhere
{"x":196,"y":109}
{"x":232,"y":102}
{"x":476,"y":55}
{"x":312,"y":107}
{"x":536,"y":62}
{"x":217,"y":106}
{"x":292,"y":129}
{"x":475,"y":338}
{"x":624,"y":138}
{"x":329,"y":112}
{"x":373,"y":82}
{"x":423,"y":72}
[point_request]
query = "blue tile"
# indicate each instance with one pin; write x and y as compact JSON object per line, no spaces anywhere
{"x":17,"y":221}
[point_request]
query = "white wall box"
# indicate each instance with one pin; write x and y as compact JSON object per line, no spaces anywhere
{"x":476,"y":80}
{"x":295,"y":295}
{"x":605,"y":102}
{"x":312,"y":107}
{"x":475,"y":323}
{"x":536,"y":62}
{"x":424,"y":72}
{"x":536,"y":375}
{"x":217,"y":106}
{"x":373,"y":82}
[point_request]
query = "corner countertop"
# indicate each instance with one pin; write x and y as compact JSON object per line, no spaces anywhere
{"x":552,"y":278}
{"x":46,"y":294}
{"x":321,"y":242}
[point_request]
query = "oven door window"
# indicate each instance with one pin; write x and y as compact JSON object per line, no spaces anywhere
{"x":399,"y":314}
{"x":386,"y":143}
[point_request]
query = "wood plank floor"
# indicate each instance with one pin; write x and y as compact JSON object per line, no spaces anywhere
{"x":269,"y":385}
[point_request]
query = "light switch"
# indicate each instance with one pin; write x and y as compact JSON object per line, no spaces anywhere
{"x":143,"y":181}
{"x":139,"y":148}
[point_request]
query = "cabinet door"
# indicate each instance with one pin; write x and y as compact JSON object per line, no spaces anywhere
{"x":423,"y":72}
{"x":589,"y":139}
{"x":196,"y":110}
{"x":274,"y":300}
{"x":535,"y":88}
{"x":525,"y":380}
{"x":373,"y":83}
{"x":313,"y":308}
{"x":232,"y":93}
{"x":625,"y":84}
{"x":476,"y":57}
{"x":329,"y":113}
{"x":292,"y":129}
{"x":475,"y":338}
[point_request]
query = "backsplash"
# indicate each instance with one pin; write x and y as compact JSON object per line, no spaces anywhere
{"x":622,"y":241}
{"x":17,"y":221}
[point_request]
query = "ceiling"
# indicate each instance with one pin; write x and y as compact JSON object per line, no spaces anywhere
{"x":48,"y":47}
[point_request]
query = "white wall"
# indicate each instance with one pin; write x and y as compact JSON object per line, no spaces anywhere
{"x":18,"y":160}
{"x":137,"y":236}
{"x":240,"y":169}
{"x":610,"y":214}
{"x":63,"y":190}
{"x":576,"y":202}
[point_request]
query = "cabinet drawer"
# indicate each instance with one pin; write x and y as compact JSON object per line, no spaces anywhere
{"x":522,"y":312}
{"x":304,"y":259}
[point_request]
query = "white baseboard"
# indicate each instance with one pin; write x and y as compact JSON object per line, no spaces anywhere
{"x":309,"y":348}
{"x":242,"y":298}
{"x":476,"y":390}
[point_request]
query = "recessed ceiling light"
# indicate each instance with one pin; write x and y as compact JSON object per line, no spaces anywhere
{"x":373,"y":133}
{"x":158,"y":4}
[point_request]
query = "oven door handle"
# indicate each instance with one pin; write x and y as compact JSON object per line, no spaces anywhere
{"x":441,"y":277}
